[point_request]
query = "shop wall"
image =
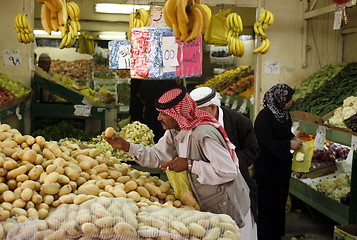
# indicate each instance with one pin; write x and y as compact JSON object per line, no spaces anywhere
{"x":8,"y":41}
{"x":349,"y":33}
{"x":66,"y":54}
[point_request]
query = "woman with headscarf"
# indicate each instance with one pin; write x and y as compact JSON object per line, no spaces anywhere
{"x":273,"y":166}
{"x":195,"y":141}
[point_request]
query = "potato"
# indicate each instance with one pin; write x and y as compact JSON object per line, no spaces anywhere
{"x":42,"y":213}
{"x":36,"y":198}
{"x":4,"y":214}
{"x":165,"y":187}
{"x":26,"y":194}
{"x":3,"y":187}
{"x":47,"y":153}
{"x":35,"y":172}
{"x":9,"y":163}
{"x":50,"y":188}
{"x":59,"y":234}
{"x":134,"y":195}
{"x":52,"y":177}
{"x":81,"y":198}
{"x":90,"y":229}
{"x":8,"y":196}
{"x":89,"y":188}
{"x":101,"y":168}
{"x":71,"y":172}
{"x":6,"y":206}
{"x":8,"y":144}
{"x":29,"y":139}
{"x":124,"y":229}
{"x":105,"y":222}
{"x":64,"y":190}
{"x":109,"y":132}
{"x":32,"y":212}
{"x":197,"y":230}
{"x":130,"y":186}
{"x":29,"y":156}
{"x":48,"y":199}
{"x":69,"y":198}
{"x":18,"y":212}
{"x":153,"y":190}
{"x":143,"y":192}
{"x":17,"y":171}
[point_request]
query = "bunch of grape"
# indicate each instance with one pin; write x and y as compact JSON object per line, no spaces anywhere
{"x":137,"y":132}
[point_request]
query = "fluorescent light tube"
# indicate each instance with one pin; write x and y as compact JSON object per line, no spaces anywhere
{"x":118,"y":8}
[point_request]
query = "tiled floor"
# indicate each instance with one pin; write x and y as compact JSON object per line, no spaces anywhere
{"x":307,"y":223}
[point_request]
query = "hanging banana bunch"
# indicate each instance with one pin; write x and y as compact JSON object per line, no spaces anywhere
{"x":234,"y":26}
{"x":86,"y":44}
{"x":23,"y":29}
{"x":265,"y":19}
{"x":139,"y":18}
{"x":188,"y":19}
{"x":58,"y":15}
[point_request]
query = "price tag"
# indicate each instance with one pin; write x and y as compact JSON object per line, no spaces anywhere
{"x":157,"y":18}
{"x":124,"y":60}
{"x":320,"y":137}
{"x":243,"y":107}
{"x":295,"y":127}
{"x":82,"y":110}
{"x":337,"y":22}
{"x":235,"y":104}
{"x":169,"y":54}
{"x":272,"y":67}
{"x":12,"y":58}
{"x":353,"y":148}
{"x":226,"y":103}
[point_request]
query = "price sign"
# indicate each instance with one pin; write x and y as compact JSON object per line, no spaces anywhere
{"x":353,"y":148}
{"x":337,"y":21}
{"x":295,"y":127}
{"x":243,"y":107}
{"x":169,"y":54}
{"x":320,"y":137}
{"x":235,"y":104}
{"x":272,"y":67}
{"x":12,"y":58}
{"x":82,"y":110}
{"x":157,"y":17}
{"x":226,"y":103}
{"x":124,"y":60}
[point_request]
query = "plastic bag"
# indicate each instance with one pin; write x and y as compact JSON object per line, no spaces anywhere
{"x":302,"y":158}
{"x":182,"y":189}
{"x":217,"y":29}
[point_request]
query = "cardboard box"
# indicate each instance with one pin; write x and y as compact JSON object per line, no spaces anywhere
{"x":321,"y":171}
{"x":156,"y":54}
{"x":345,"y":232}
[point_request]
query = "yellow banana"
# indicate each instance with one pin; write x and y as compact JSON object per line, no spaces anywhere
{"x":261,"y":32}
{"x":233,"y":46}
{"x":54,"y":20}
{"x":19,"y":37}
{"x":166,"y":18}
{"x":228,"y":21}
{"x":18,"y":20}
{"x":25,"y":21}
{"x":144,"y":15}
{"x":63,"y":41}
{"x":69,"y":39}
{"x":63,"y":30}
{"x":57,"y":4}
{"x":172,"y":16}
{"x":78,"y":26}
{"x":264,"y":26}
{"x":255,"y":27}
{"x":77,"y":10}
{"x":208,"y":10}
{"x":27,"y":37}
{"x":70,"y":11}
{"x":183,"y":27}
{"x":271,"y":19}
{"x":197,"y":24}
{"x":239,"y":22}
{"x":72,"y":42}
{"x":181,"y":10}
{"x":50,"y":5}
{"x":32,"y":37}
{"x":261,"y":47}
{"x":46,"y":18}
{"x":73,"y":28}
{"x":23,"y":37}
{"x":262,"y":16}
{"x":15,"y":24}
{"x":266,"y":47}
{"x":204,"y":15}
{"x":241,"y":47}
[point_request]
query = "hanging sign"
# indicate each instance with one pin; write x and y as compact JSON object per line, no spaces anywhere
{"x":320,"y":137}
{"x":12,"y":58}
{"x":169,"y":54}
{"x":82,"y":110}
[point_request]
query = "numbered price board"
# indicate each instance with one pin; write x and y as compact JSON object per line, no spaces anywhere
{"x":119,"y":54}
{"x":156,"y":54}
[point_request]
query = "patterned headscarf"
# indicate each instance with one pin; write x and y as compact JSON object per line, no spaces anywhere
{"x":276,"y":98}
{"x":178,"y":104}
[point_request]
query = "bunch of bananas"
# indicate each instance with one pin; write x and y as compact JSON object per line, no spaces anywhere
{"x":86,"y":44}
{"x":139,"y":18}
{"x":58,"y":15}
{"x":234,"y":24}
{"x":23,"y":29}
{"x":72,"y":27}
{"x":188,"y":19}
{"x":265,"y":19}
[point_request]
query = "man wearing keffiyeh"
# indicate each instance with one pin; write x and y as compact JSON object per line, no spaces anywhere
{"x":195,"y":141}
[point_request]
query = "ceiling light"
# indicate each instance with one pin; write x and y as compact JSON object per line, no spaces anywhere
{"x":118,"y":8}
{"x":112,"y":35}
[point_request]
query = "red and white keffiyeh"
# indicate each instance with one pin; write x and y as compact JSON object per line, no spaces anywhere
{"x":188,"y":116}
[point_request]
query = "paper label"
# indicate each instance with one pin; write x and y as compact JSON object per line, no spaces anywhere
{"x":226,"y":103}
{"x":295,"y":127}
{"x":169,"y":54}
{"x":337,"y":22}
{"x":353,"y":148}
{"x":157,"y":18}
{"x":12,"y":58}
{"x":272,"y":67}
{"x":243,"y":107}
{"x":320,"y":137}
{"x":235,"y":104}
{"x":82,"y":110}
{"x":124,"y":60}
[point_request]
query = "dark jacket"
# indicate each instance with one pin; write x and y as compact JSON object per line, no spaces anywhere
{"x":241,"y":133}
{"x":275,"y":159}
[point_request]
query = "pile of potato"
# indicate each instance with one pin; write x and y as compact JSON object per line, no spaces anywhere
{"x":36,"y":175}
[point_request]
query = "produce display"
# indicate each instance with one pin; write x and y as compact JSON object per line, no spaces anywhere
{"x":265,"y":19}
{"x":232,"y":82}
{"x":82,"y":69}
{"x":58,"y":15}
{"x":345,"y":116}
{"x":10,"y":90}
{"x":5,"y":95}
{"x":23,"y":29}
{"x":339,"y":83}
{"x":187,"y":19}
{"x":336,"y":188}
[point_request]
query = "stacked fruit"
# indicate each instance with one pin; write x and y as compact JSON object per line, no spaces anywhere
{"x":54,"y":17}
{"x":5,"y":95}
{"x":139,"y":18}
{"x":265,"y":19}
{"x":235,"y":26}
{"x":188,"y":19}
{"x":23,"y":29}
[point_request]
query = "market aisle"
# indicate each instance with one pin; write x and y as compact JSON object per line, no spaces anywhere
{"x":310,"y":224}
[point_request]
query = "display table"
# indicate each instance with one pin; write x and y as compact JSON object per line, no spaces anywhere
{"x":76,"y":107}
{"x":17,"y":107}
{"x":333,"y":209}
